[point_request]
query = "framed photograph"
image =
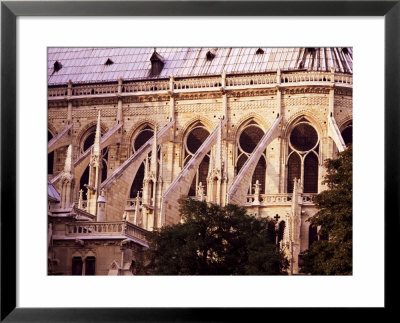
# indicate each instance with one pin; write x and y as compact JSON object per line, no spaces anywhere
{"x":88,"y":72}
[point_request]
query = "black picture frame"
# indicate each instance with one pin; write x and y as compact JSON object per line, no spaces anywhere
{"x":10,"y":10}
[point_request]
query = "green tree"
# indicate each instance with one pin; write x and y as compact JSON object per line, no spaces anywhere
{"x":333,"y":255}
{"x":214,"y":240}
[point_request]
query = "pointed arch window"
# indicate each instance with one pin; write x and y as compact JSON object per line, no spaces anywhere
{"x":247,"y":141}
{"x":196,"y":136}
{"x":294,"y":170}
{"x":143,"y":135}
{"x":303,"y":157}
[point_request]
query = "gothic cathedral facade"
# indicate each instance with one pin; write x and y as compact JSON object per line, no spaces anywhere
{"x":132,"y":130}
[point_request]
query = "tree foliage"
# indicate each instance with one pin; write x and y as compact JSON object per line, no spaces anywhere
{"x":214,"y":240}
{"x":333,"y":256}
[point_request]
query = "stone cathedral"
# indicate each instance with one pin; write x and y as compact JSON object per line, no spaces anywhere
{"x":132,"y":130}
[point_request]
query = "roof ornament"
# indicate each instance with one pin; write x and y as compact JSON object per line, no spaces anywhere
{"x":157,"y":63}
{"x":259,"y":51}
{"x":210,"y":56}
{"x":109,"y":61}
{"x":57,"y":66}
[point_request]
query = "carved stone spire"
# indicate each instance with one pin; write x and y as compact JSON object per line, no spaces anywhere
{"x":95,"y":166}
{"x":96,"y":147}
{"x":137,"y":209}
{"x":68,"y":181}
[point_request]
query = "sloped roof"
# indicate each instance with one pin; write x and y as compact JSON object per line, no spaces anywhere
{"x":52,"y":193}
{"x":87,"y":65}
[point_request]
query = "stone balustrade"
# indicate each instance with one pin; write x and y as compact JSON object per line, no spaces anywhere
{"x":306,"y":77}
{"x":57,"y":91}
{"x":278,"y":199}
{"x":131,"y":204}
{"x":198,"y":83}
{"x":105,"y":229}
{"x":233,"y":82}
{"x":308,"y":198}
{"x":95,"y":89}
{"x":148,"y":86}
{"x":343,"y":79}
{"x":251,"y":80}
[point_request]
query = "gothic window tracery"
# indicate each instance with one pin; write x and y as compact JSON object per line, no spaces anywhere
{"x":247,"y":141}
{"x":194,"y":139}
{"x":303,"y":157}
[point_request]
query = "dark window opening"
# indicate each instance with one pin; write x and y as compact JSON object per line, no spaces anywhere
{"x":281,"y":230}
{"x":84,"y":180}
{"x":303,"y":137}
{"x":259,"y":174}
{"x":294,"y":165}
{"x":241,"y":161}
{"x":137,"y":184}
{"x":89,"y":141}
{"x":347,"y":135}
{"x":200,"y":177}
{"x":50,"y":156}
{"x":312,"y":235}
{"x":104,"y":169}
{"x":109,"y":62}
{"x":77,"y":266}
{"x":143,"y":137}
{"x":196,"y":138}
{"x":90,"y":266}
{"x":249,"y":138}
{"x":311,"y":174}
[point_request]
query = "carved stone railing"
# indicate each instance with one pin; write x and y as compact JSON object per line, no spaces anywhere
{"x":308,"y":198}
{"x":57,"y":91}
{"x":278,"y":199}
{"x":198,"y":83}
{"x":145,"y":86}
{"x":105,"y":229}
{"x":251,"y":80}
{"x":306,"y":77}
{"x":210,"y":83}
{"x":343,"y":79}
{"x":131,"y":204}
{"x":95,"y":89}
